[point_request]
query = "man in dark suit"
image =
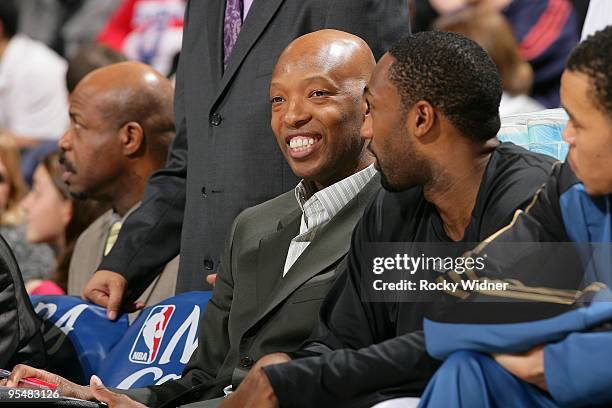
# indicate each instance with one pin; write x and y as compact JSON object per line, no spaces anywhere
{"x":223,"y":160}
{"x":281,"y":256}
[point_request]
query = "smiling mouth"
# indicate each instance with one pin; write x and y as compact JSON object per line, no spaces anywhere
{"x":301,"y":146}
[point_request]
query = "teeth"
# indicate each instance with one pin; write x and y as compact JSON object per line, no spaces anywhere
{"x":299,"y":142}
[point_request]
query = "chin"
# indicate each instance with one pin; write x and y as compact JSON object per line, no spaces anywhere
{"x":387,"y":185}
{"x":594,"y":190}
{"x":304,"y":171}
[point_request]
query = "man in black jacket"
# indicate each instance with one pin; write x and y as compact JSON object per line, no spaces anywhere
{"x":21,"y":338}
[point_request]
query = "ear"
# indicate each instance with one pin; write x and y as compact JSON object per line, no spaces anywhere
{"x":424,"y":118}
{"x":131,"y":136}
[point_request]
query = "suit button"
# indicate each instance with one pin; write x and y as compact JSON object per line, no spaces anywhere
{"x":208,"y":264}
{"x":246,"y":362}
{"x":215,"y":119}
{"x":204,"y":192}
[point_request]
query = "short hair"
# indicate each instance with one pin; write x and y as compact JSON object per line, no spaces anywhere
{"x":454,"y":74}
{"x":9,"y":17}
{"x":593,"y":57}
{"x":88,"y":58}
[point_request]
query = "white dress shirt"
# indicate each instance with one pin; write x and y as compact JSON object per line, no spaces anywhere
{"x":320,"y":207}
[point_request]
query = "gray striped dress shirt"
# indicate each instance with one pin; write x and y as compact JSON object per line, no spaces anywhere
{"x":320,"y":207}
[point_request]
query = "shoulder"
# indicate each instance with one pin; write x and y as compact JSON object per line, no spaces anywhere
{"x":276,"y":207}
{"x":509,"y":158}
{"x":96,"y":228}
{"x":516,"y":172}
{"x":265,"y":215}
{"x":391,"y":212}
{"x":514,"y":177}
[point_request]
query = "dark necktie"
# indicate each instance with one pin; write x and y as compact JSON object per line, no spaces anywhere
{"x":231,"y":27}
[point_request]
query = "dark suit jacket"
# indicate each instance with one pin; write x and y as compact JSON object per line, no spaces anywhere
{"x":224,"y":157}
{"x":21,"y":340}
{"x":254,"y":309}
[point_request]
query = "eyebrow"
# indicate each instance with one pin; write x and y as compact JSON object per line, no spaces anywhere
{"x":569,"y":113}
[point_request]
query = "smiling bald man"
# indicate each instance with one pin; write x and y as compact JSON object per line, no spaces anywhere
{"x":281,"y":256}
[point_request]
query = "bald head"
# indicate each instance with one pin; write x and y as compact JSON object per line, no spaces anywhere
{"x":121,"y":127}
{"x":132,"y":92}
{"x":344,"y":55}
{"x":316,"y":95}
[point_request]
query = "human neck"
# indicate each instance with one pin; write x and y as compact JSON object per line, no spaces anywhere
{"x":364,"y":161}
{"x":454,"y":186}
{"x":58,"y":245}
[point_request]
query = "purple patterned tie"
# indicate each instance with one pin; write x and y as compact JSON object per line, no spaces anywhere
{"x":231,"y":27}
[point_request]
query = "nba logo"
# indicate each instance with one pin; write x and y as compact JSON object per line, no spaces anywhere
{"x":146,"y":346}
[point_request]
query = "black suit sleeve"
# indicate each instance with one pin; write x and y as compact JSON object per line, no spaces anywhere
{"x":151,"y":235}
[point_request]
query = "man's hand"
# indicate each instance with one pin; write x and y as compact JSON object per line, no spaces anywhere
{"x":255,"y":391}
{"x":107,"y":289}
{"x":112,"y":399}
{"x":528,"y":367}
{"x":65,"y":387}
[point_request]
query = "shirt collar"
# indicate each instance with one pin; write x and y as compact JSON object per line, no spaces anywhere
{"x":334,"y":197}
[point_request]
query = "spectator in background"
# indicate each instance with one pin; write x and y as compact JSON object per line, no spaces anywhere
{"x":64,"y":25}
{"x":34,"y":260}
{"x":489,"y":28}
{"x":33,"y":100}
{"x":122,"y":124}
{"x":89,"y":58}
{"x":149,"y":31}
{"x":546,"y":31}
{"x":53,"y":217}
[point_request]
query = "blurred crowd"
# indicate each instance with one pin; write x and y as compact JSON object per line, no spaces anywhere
{"x":46,"y":48}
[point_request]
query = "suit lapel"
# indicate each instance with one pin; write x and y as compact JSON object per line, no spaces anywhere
{"x":269,"y":264}
{"x":215,"y":8}
{"x":257,"y":20}
{"x":331,"y":243}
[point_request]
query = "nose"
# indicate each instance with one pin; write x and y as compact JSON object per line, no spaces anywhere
{"x":366,"y":127}
{"x":569,"y":134}
{"x":296,"y":114}
{"x":65,"y":141}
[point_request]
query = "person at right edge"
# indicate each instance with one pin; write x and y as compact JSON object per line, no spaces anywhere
{"x":223,"y":158}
